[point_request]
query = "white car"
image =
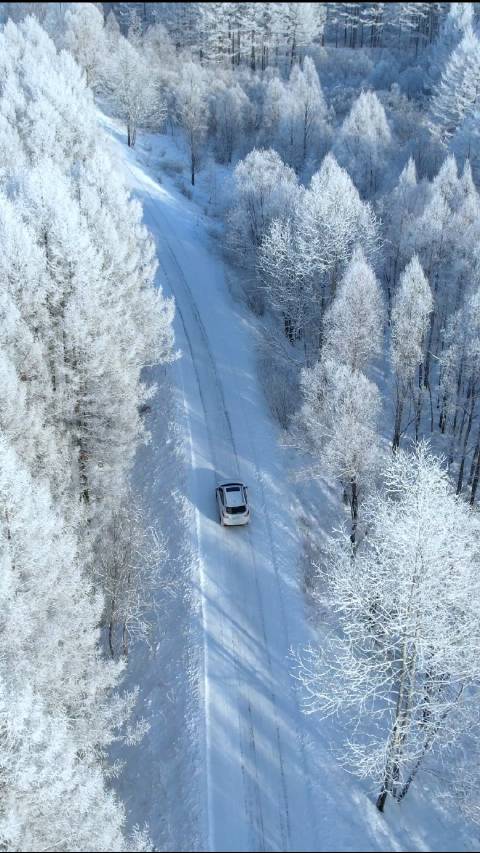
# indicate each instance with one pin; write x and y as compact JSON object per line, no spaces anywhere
{"x":232,"y":503}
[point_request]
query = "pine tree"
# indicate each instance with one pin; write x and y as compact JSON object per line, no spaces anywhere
{"x":457,"y":94}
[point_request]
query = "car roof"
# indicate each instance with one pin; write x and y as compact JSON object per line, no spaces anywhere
{"x":234,"y":494}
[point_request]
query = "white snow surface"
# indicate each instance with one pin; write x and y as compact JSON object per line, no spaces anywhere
{"x":264,"y":776}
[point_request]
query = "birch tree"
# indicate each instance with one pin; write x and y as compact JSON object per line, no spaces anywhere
{"x":129,"y":570}
{"x":337,"y":427}
{"x":404,"y":670}
{"x":85,"y":39}
{"x":302,"y":115}
{"x":287,"y":290}
{"x":353,"y":325}
{"x":410,"y":317}
{"x":192,"y":110}
{"x":265,"y":189}
{"x":134,"y":90}
{"x":460,"y":389}
{"x":230,"y":108}
{"x":399,"y":211}
{"x":333,"y":220}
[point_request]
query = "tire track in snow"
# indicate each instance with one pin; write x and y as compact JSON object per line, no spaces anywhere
{"x":247,"y":727}
{"x":284,"y":621}
{"x":253,"y":803}
{"x":253,"y":799}
{"x":283,"y":806}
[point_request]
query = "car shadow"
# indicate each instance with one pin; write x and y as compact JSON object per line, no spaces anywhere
{"x":203,"y":492}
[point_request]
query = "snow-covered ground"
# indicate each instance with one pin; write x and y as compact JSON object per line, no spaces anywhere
{"x":248,"y":770}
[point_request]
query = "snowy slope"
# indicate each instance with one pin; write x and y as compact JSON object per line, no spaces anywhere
{"x":269,"y":781}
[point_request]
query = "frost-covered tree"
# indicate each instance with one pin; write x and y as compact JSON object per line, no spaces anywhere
{"x":302,"y":116}
{"x":83,"y":234}
{"x":57,"y":118}
{"x":458,"y":21}
{"x":443,"y":233}
{"x":400,"y":210}
{"x":337,"y":427}
{"x":192,"y":110}
{"x":363,"y":142}
{"x":353,"y":325}
{"x":333,"y":220}
{"x":129,"y":569}
{"x":465,"y":143}
{"x":85,"y":39}
{"x":273,"y":103}
{"x":265,"y":189}
{"x":80,"y":318}
{"x":404,"y":670}
{"x":299,"y":24}
{"x":94,"y":355}
{"x":230,"y":109}
{"x":134,"y":89}
{"x":26,"y":395}
{"x":302,"y":256}
{"x":460,"y":387}
{"x":286,"y":289}
{"x":410,"y":317}
{"x":457,"y":93}
{"x":88,"y":237}
{"x":112,"y":32}
{"x":57,"y":709}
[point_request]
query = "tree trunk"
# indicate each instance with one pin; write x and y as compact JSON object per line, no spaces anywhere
{"x":305,"y":135}
{"x":354,"y":510}
{"x":465,"y":441}
{"x":293,"y":52}
{"x":289,"y":328}
{"x":442,"y":420}
{"x":429,"y":350}
{"x":110,"y":631}
{"x":381,"y":801}
{"x":398,"y":421}
{"x":474,"y":461}
{"x":476,"y":473}
{"x":455,"y":417}
{"x":418,"y":406}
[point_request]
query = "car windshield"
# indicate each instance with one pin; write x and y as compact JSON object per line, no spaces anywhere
{"x":235,"y":509}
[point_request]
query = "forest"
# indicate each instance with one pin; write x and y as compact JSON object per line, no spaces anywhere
{"x":334,"y":149}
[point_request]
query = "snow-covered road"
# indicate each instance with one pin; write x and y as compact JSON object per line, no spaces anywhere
{"x":256,"y":783}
